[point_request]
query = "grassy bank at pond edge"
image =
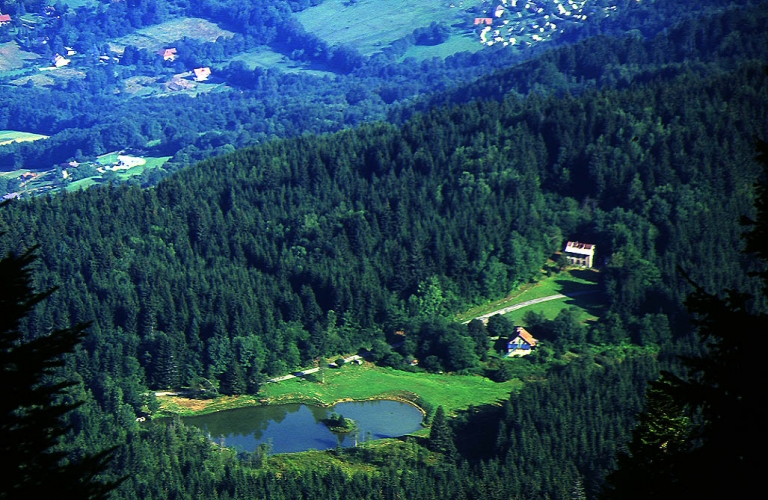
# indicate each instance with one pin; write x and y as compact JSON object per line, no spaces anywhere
{"x":359,"y":383}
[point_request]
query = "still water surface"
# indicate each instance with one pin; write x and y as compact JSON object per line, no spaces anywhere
{"x":297,"y":427}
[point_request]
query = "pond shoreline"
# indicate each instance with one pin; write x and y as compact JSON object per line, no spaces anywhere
{"x":209,"y":406}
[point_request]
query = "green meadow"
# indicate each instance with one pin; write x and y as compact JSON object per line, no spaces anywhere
{"x":9,"y":136}
{"x":581,"y":284}
{"x":370,"y":25}
{"x":354,"y":382}
{"x":368,"y":381}
{"x":157,"y":36}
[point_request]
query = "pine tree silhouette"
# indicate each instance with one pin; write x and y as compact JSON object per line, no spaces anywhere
{"x":31,"y":407}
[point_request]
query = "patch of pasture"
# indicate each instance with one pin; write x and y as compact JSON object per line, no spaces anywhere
{"x":455,"y":44}
{"x":360,"y":383}
{"x":370,"y":25}
{"x":50,"y":76}
{"x":82,"y":184}
{"x":12,"y":57}
{"x":158,"y":36}
{"x":269,"y":59}
{"x":579,"y":285}
{"x":9,"y":136}
{"x":587,"y":307}
{"x":109,"y":158}
{"x":74,"y":4}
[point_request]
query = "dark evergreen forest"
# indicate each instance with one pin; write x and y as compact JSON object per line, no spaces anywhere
{"x":261,"y":260}
{"x":95,"y":115}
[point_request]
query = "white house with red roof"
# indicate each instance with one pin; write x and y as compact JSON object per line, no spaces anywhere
{"x":5,"y":19}
{"x":202,"y":74}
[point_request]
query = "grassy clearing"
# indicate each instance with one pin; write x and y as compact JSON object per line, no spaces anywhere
{"x":566,"y":283}
{"x":359,"y":383}
{"x":588,"y":308}
{"x":73,"y":4}
{"x":9,"y":136}
{"x":269,"y":59}
{"x":455,"y":44}
{"x":50,"y":76}
{"x":13,"y":173}
{"x":369,"y":25}
{"x":156,"y":37}
{"x":82,"y":184}
{"x":12,"y":57}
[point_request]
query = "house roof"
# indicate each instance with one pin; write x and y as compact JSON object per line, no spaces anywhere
{"x":580,"y":248}
{"x":202,"y":73}
{"x":167,"y":52}
{"x":5,"y":18}
{"x":523,"y":334}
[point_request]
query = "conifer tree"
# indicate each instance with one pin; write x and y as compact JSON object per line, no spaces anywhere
{"x":722,"y":395}
{"x":34,"y":400}
{"x":440,"y":434}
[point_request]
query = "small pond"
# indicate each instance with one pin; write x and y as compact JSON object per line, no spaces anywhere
{"x":296,"y":427}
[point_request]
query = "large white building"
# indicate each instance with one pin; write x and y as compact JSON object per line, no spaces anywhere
{"x":580,"y":254}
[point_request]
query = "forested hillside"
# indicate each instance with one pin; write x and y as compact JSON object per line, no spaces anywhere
{"x":259,"y":261}
{"x":106,"y":105}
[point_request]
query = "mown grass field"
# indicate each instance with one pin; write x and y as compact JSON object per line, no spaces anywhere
{"x":269,"y":59}
{"x":12,"y":57}
{"x":568,"y":282}
{"x":458,"y":42}
{"x":359,"y":383}
{"x":370,"y":25}
{"x":158,"y":36}
{"x":9,"y":136}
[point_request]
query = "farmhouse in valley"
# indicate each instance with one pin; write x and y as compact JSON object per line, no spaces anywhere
{"x":5,"y":19}
{"x":521,"y":343}
{"x":167,"y":54}
{"x":202,"y":74}
{"x":580,"y":254}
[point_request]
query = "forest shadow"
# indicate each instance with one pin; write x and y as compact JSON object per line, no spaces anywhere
{"x":475,"y":431}
{"x":593,"y":303}
{"x":568,"y":287}
{"x":586,"y":274}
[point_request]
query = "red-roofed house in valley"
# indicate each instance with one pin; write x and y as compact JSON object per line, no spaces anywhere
{"x":202,"y":74}
{"x":167,"y":54}
{"x":521,"y":343}
{"x":580,"y":254}
{"x":483,"y":20}
{"x":5,"y":19}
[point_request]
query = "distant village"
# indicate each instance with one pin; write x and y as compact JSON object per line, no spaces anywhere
{"x":62,"y":58}
{"x":526,"y":22}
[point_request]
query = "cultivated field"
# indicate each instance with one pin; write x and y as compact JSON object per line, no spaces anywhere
{"x":158,"y":36}
{"x":9,"y":136}
{"x":370,"y":25}
{"x":12,"y":57}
